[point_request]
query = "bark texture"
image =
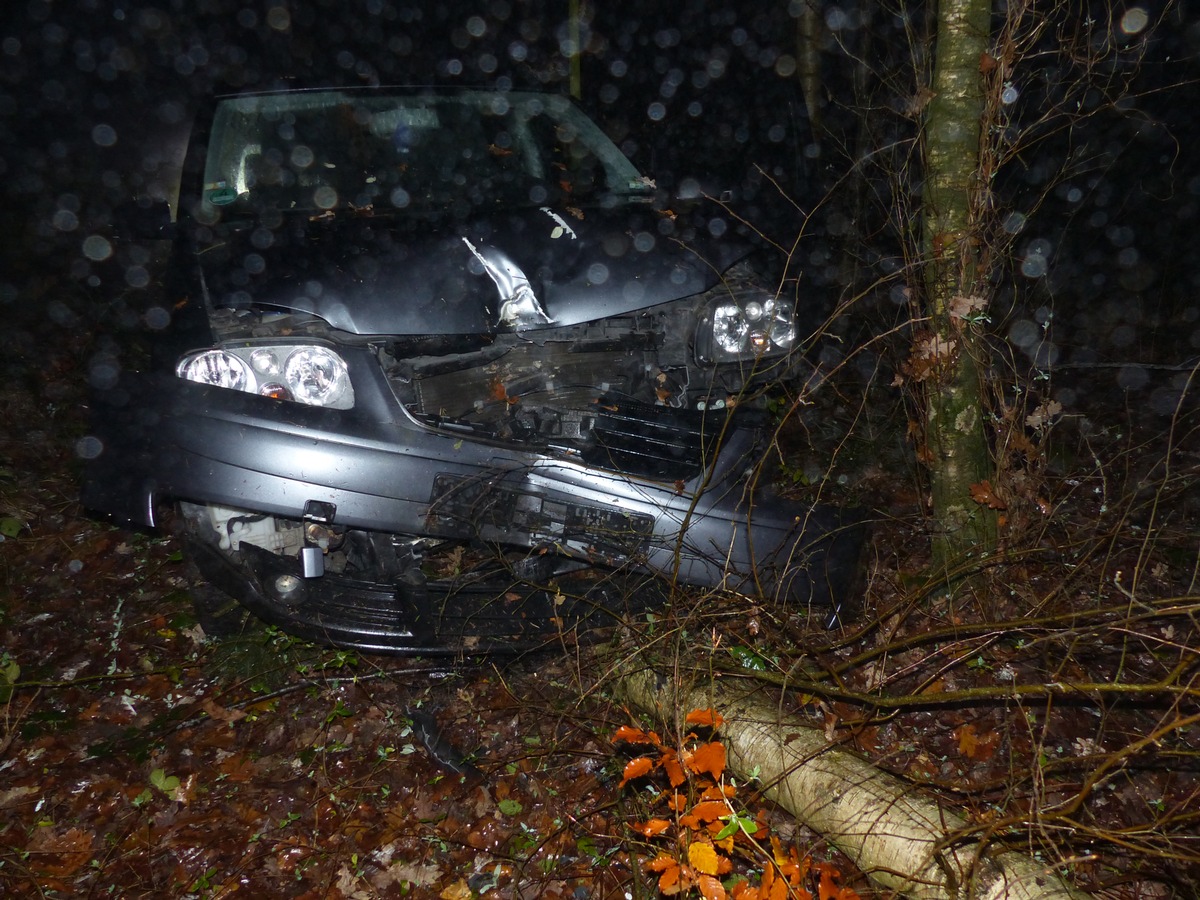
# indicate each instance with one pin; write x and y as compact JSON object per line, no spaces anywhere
{"x":955,"y":436}
{"x":808,"y":59}
{"x":902,"y":840}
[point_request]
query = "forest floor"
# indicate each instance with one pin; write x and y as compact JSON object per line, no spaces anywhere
{"x":140,"y":758}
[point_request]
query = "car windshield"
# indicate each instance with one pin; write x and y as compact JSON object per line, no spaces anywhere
{"x":321,"y":151}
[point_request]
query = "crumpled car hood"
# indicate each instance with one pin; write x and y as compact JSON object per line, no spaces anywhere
{"x":514,"y":270}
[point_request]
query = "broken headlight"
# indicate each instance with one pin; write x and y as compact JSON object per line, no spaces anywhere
{"x":744,"y":328}
{"x":305,"y":373}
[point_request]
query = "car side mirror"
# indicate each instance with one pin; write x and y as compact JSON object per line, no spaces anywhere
{"x":143,"y":220}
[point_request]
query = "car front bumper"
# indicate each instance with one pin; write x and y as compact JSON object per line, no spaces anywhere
{"x":162,"y":439}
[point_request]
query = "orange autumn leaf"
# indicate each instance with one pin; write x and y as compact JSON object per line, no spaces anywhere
{"x":718,"y":791}
{"x":651,"y":827}
{"x":795,"y":872}
{"x":702,"y":857}
{"x":771,"y":887}
{"x":711,"y":888}
{"x":974,"y":745}
{"x":636,"y":768}
{"x":668,"y":881}
{"x":828,"y":887}
{"x":674,"y":771}
{"x":967,"y":740}
{"x":983,"y":494}
{"x":777,"y":851}
{"x":768,"y":879}
{"x":677,"y":803}
{"x":708,"y":811}
{"x":708,"y":758}
{"x":707,"y":717}
{"x":634,"y":736}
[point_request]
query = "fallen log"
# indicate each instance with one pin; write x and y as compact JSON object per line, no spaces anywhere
{"x":903,"y":841}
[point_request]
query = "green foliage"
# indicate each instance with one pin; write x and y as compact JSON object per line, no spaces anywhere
{"x":10,"y":672}
{"x":168,"y":784}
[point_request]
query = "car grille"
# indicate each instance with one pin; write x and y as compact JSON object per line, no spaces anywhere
{"x":597,"y":406}
{"x":650,"y":441}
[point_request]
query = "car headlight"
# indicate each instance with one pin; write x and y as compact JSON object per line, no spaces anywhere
{"x":305,"y":373}
{"x":746,"y":327}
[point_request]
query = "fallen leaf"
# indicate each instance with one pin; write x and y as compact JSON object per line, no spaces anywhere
{"x":60,"y":854}
{"x":702,"y":813}
{"x":962,"y":307}
{"x":974,"y":745}
{"x":651,"y":827}
{"x":634,"y":736}
{"x":983,"y":494}
{"x":828,"y":887}
{"x":460,"y":890}
{"x":709,"y":758}
{"x":220,"y":713}
{"x":15,"y":795}
{"x":1044,"y":414}
{"x":711,"y":888}
{"x":403,"y":875}
{"x":718,"y":792}
{"x":238,"y":767}
{"x":669,"y":879}
{"x":636,"y":768}
{"x":702,"y":857}
{"x":674,"y":770}
{"x":707,"y":717}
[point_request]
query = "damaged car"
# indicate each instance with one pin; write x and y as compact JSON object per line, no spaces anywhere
{"x":431,"y":367}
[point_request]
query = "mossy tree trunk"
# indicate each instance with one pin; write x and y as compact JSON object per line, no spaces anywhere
{"x":955,"y":439}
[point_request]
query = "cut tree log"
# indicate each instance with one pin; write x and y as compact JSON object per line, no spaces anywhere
{"x":903,"y":841}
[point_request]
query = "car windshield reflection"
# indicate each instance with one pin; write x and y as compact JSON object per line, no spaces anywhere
{"x":325,"y":151}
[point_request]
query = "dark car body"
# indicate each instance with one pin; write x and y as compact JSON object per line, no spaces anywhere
{"x":397,"y":321}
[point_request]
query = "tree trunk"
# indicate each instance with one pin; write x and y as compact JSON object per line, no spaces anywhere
{"x":955,"y":438}
{"x":901,"y":840}
{"x":808,"y":60}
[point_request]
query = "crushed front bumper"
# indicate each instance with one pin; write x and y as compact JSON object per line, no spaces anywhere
{"x":161,"y":439}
